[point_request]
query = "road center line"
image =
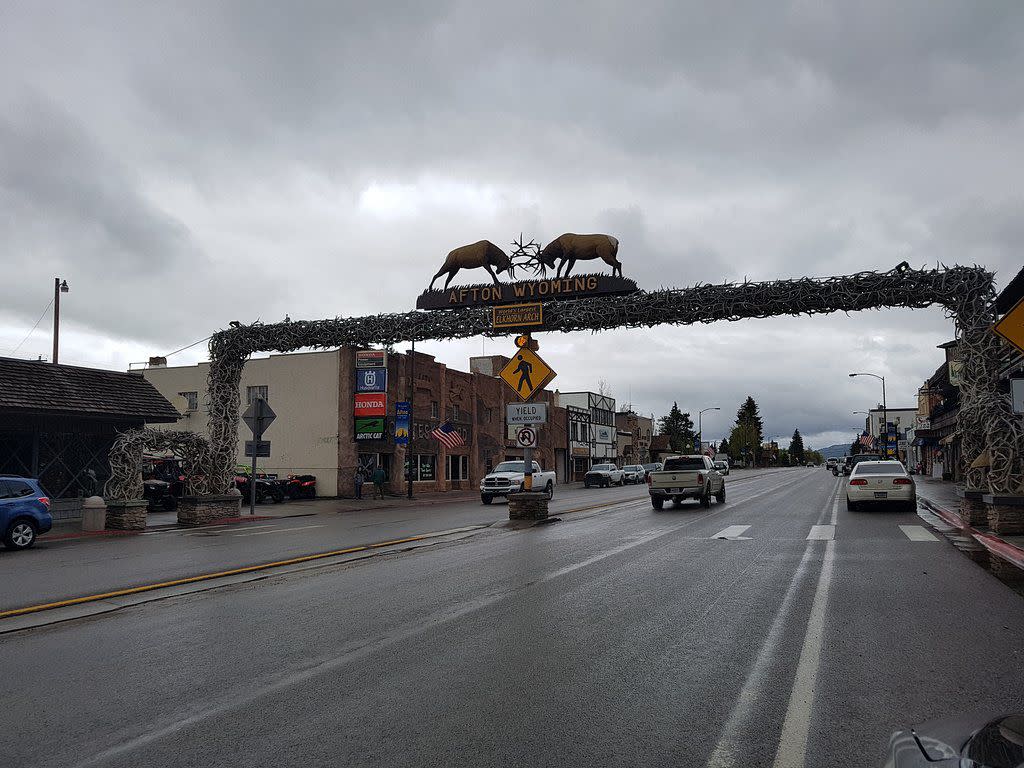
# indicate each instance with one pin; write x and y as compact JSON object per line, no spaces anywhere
{"x":917,"y":533}
{"x":792,"y":751}
{"x":280,"y":530}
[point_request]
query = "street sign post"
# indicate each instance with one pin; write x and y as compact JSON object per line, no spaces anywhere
{"x":527,"y":374}
{"x":258,"y":417}
{"x":1011,"y":326}
{"x":526,"y":413}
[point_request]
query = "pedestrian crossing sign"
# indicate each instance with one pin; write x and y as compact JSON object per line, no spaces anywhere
{"x":526,"y":373}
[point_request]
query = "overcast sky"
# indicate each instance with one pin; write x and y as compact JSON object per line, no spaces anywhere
{"x":187,"y":164}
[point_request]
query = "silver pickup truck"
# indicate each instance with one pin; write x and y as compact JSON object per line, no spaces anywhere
{"x":508,"y":477}
{"x":686,"y":477}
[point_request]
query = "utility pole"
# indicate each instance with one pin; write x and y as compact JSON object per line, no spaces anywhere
{"x":412,"y":396}
{"x":59,"y":287}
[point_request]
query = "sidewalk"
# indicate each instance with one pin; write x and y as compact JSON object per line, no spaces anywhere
{"x":1005,"y":554}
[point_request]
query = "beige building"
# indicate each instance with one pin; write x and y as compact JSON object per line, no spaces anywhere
{"x":303,"y":390}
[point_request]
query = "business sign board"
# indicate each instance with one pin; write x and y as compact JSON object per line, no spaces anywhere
{"x":371,"y":379}
{"x":402,"y":415}
{"x":526,"y":413}
{"x":517,"y":315}
{"x":603,"y":434}
{"x":371,"y":358}
{"x":370,"y":429}
{"x":375,"y":404}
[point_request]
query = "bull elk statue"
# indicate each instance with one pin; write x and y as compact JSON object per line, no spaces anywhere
{"x":480,"y":254}
{"x":569,"y":248}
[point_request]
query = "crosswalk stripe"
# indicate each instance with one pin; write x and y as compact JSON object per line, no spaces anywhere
{"x":917,"y":533}
{"x":732,"y":532}
{"x":822,"y":533}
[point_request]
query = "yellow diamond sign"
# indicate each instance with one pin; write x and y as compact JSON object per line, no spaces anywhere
{"x":526,"y":373}
{"x":1011,"y":327}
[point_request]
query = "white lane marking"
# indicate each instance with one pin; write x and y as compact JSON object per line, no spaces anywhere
{"x":822,"y":533}
{"x":792,"y":752}
{"x":248,"y":528}
{"x":281,"y":530}
{"x":917,"y":533}
{"x":753,"y":691}
{"x":732,"y":532}
{"x":835,"y":508}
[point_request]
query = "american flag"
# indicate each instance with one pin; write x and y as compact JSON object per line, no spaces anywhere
{"x":866,"y":440}
{"x":448,"y":435}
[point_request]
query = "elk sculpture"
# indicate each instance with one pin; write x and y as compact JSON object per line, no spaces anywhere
{"x":480,"y":254}
{"x":569,"y":248}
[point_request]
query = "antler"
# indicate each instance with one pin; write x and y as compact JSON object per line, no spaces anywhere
{"x":527,"y":253}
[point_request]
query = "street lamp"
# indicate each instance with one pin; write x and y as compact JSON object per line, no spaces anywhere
{"x":700,"y":432}
{"x":59,"y":287}
{"x":885,"y":413}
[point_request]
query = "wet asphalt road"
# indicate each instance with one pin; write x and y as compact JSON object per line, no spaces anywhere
{"x":620,"y":636}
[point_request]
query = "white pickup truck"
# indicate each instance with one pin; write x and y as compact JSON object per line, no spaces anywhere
{"x":686,"y":477}
{"x":508,"y":478}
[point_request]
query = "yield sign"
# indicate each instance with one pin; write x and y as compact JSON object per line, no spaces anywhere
{"x":259,"y":416}
{"x":526,"y":373}
{"x":1011,"y":327}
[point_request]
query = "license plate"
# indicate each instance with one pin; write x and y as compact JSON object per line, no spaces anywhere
{"x":881,"y":494}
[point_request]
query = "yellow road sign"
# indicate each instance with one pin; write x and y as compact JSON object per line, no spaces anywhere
{"x":1011,"y":327}
{"x":526,"y":373}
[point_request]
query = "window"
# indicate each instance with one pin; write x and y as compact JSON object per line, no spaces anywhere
{"x":433,"y":409}
{"x":192,"y":400}
{"x":368,"y":462}
{"x":456,"y":468}
{"x":251,"y":393}
{"x":455,"y":412}
{"x":683,"y":463}
{"x":16,"y":489}
{"x":423,"y":467}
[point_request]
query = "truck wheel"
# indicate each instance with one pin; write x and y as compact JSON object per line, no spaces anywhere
{"x":549,"y":489}
{"x":586,"y":483}
{"x":705,"y":500}
{"x":720,"y":496}
{"x":605,"y":482}
{"x":657,"y":502}
{"x":486,"y":498}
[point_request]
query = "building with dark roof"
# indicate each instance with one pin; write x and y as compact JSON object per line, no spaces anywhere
{"x":57,"y":422}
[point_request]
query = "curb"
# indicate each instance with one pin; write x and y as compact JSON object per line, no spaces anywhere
{"x":996,"y":546}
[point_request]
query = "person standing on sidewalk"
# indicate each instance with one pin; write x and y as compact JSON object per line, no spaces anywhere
{"x":378,"y":481}
{"x":360,"y":478}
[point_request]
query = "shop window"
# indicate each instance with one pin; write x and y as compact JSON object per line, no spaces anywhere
{"x":456,"y":468}
{"x":192,"y":400}
{"x":368,"y":462}
{"x":434,"y":411}
{"x":424,"y":467}
{"x":251,"y":393}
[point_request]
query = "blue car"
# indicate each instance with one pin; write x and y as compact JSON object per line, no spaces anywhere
{"x":24,"y":511}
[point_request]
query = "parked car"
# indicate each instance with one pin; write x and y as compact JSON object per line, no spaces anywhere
{"x":509,"y":476}
{"x":831,"y":463}
{"x":635,"y":473}
{"x":603,"y":475}
{"x":656,"y":466}
{"x":24,"y":511}
{"x":722,"y":466}
{"x":881,"y":482}
{"x":686,"y":477}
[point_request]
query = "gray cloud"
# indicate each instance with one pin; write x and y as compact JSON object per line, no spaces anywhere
{"x":188,"y":164}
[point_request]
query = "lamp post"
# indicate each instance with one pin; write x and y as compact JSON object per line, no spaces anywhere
{"x":59,"y":287}
{"x":700,"y":431}
{"x":885,"y":413}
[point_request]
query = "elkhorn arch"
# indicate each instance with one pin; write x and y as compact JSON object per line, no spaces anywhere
{"x":967,"y":294}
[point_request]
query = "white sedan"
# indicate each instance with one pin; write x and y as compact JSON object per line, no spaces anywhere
{"x":635,"y":473}
{"x":881,"y":482}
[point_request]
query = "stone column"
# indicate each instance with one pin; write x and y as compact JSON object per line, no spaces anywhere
{"x":1005,"y":514}
{"x":528,"y":506}
{"x":973,"y":510}
{"x":202,"y":510}
{"x":127,"y":515}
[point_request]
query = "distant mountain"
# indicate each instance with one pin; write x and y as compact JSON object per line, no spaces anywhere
{"x":835,"y":451}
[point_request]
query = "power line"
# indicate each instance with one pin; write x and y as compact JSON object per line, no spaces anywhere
{"x":41,"y":316}
{"x":188,"y":347}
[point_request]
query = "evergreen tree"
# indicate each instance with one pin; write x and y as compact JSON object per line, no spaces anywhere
{"x":748,"y":433}
{"x":796,"y":447}
{"x":723,"y":446}
{"x":679,"y":428}
{"x":855,"y":447}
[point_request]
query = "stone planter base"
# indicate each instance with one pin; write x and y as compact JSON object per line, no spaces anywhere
{"x":200,"y":510}
{"x":1005,"y":571}
{"x":528,"y":506}
{"x":127,"y":515}
{"x":973,"y":512}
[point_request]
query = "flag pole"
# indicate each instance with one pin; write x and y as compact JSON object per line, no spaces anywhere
{"x":412,"y":396}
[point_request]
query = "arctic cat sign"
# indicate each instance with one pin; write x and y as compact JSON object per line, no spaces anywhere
{"x":556,"y":288}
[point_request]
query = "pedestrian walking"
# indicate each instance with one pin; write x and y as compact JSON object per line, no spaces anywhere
{"x":378,"y":481}
{"x":359,"y":479}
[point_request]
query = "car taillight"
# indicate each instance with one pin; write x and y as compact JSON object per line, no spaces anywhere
{"x":648,"y":479}
{"x":309,"y":482}
{"x":858,"y":481}
{"x":700,"y":479}
{"x":45,"y":501}
{"x":901,"y":481}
